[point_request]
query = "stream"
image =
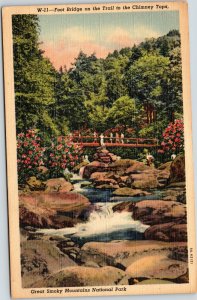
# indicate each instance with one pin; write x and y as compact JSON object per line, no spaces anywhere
{"x":104,"y":224}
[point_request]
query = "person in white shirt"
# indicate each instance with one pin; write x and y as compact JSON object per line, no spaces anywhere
{"x":149,"y":159}
{"x":173,"y":156}
{"x":102,"y":139}
{"x":122,"y":138}
{"x":111,"y":137}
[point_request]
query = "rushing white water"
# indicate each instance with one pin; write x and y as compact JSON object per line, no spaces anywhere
{"x":81,"y":171}
{"x":77,"y":187}
{"x":76,"y":177}
{"x":102,"y":220}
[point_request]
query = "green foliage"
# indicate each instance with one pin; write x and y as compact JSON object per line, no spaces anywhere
{"x":130,"y":153}
{"x":152,"y":130}
{"x":115,"y":70}
{"x":34,"y":77}
{"x":146,"y":75}
{"x":139,"y":87}
{"x":123,"y":111}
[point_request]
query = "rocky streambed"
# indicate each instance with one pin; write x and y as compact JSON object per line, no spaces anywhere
{"x":123,"y":223}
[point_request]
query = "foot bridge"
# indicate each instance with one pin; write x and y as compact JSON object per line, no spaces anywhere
{"x":91,"y":141}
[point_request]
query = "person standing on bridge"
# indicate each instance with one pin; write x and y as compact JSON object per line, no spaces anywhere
{"x":117,"y":137}
{"x":102,"y":139}
{"x":95,"y":136}
{"x":122,"y":138}
{"x":111,"y":137}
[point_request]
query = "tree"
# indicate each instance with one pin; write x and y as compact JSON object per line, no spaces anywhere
{"x":115,"y":72}
{"x":172,"y":87}
{"x":34,"y":77}
{"x":75,"y":110}
{"x":145,"y":78}
{"x":97,"y":105}
{"x":122,"y":112}
{"x":89,"y":79}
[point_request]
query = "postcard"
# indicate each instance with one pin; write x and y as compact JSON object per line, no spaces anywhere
{"x":99,"y":150}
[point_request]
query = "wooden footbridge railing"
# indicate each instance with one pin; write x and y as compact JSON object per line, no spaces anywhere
{"x":91,"y":141}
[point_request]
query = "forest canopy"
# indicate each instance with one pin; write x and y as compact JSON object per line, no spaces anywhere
{"x":139,"y":87}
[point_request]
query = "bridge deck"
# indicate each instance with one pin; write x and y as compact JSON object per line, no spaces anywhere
{"x":119,"y":145}
{"x":92,"y":141}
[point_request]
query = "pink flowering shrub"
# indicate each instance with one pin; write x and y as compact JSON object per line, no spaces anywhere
{"x":173,"y":138}
{"x":29,"y":155}
{"x":62,"y":154}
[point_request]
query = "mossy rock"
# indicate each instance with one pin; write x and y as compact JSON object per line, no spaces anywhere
{"x":35,"y":184}
{"x":177,"y":169}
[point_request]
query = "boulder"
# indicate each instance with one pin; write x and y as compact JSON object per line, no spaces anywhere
{"x":182,"y":197}
{"x":121,"y":254}
{"x":181,"y":184}
{"x":153,"y":212}
{"x":137,"y":167}
{"x":144,"y":181}
{"x":93,"y":167}
{"x":180,"y":253}
{"x":113,"y":157}
{"x":142,"y":176}
{"x":69,"y":248}
{"x":84,"y":276}
{"x":124,"y":206}
{"x":103,"y":155}
{"x":43,"y":173}
{"x":122,"y":164}
{"x":130,"y":192}
{"x":40,"y":258}
{"x":123,"y":179}
{"x":168,"y":232}
{"x":98,"y":176}
{"x":107,"y":186}
{"x":124,"y":173}
{"x":177,"y":169}
{"x":164,"y":268}
{"x":164,"y":173}
{"x":52,"y":210}
{"x":35,"y":185}
{"x":59,"y":185}
{"x":109,"y":179}
{"x":175,"y":194}
{"x":77,"y":168}
{"x":166,"y":166}
{"x":106,"y":181}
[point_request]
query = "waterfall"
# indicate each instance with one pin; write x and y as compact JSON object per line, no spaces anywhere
{"x":77,"y":180}
{"x":77,"y":187}
{"x":81,"y":171}
{"x":102,"y":220}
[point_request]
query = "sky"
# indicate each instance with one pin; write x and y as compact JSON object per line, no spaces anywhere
{"x":63,"y":36}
